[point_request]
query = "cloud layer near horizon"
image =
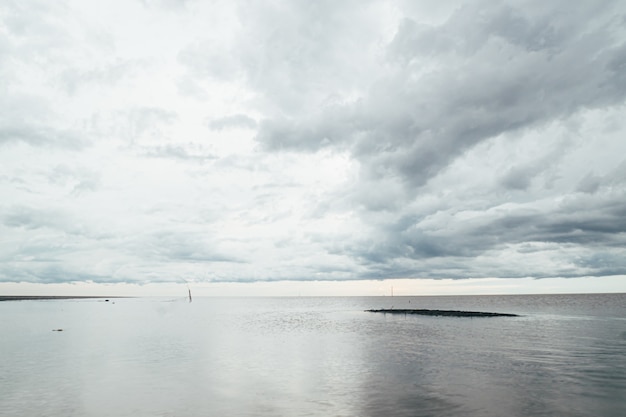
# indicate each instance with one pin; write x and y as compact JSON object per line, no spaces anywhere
{"x":152,"y":141}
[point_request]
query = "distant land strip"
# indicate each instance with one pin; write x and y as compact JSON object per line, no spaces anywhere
{"x":448,"y":313}
{"x":49,"y":297}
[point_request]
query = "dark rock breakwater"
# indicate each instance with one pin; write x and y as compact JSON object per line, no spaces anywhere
{"x":447,"y":313}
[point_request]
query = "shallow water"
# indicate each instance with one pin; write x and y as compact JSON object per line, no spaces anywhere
{"x":302,"y":356}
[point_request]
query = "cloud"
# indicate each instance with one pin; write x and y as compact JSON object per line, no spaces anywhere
{"x":42,"y":136}
{"x":583,"y":224}
{"x":80,"y":179}
{"x":30,"y":120}
{"x":146,"y":121}
{"x":177,"y":246}
{"x":482,"y":73}
{"x":311,"y":141}
{"x":73,"y":79}
{"x":60,"y":222}
{"x":33,"y":43}
{"x":167,"y":4}
{"x":179,"y":152}
{"x":233,"y":121}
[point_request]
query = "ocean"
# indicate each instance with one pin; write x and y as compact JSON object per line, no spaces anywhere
{"x":564,"y":356}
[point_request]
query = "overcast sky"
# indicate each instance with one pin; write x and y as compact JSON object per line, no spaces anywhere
{"x":244,"y":141}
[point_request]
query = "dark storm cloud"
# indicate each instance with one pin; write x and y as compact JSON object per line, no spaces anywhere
{"x":590,"y":184}
{"x":521,"y":176}
{"x":495,"y":69}
{"x":593,"y":223}
{"x":599,"y":222}
{"x":488,"y":70}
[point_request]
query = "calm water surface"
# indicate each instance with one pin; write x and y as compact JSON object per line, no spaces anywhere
{"x":566,"y":356}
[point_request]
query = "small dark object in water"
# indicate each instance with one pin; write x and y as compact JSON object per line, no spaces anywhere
{"x":57,"y":330}
{"x":106,"y":301}
{"x":448,"y":313}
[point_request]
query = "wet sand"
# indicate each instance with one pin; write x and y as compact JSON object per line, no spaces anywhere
{"x":51,"y":297}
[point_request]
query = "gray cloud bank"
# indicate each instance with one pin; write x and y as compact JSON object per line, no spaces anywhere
{"x":490,"y":69}
{"x":315,"y":141}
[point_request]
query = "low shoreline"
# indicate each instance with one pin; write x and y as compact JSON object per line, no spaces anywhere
{"x":447,"y":313}
{"x":52,"y":297}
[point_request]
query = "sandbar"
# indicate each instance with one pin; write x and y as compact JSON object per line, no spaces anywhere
{"x":50,"y":297}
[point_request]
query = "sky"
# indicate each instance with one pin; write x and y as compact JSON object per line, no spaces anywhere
{"x":328,"y":147}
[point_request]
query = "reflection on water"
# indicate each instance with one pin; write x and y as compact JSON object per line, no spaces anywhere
{"x":313,"y":356}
